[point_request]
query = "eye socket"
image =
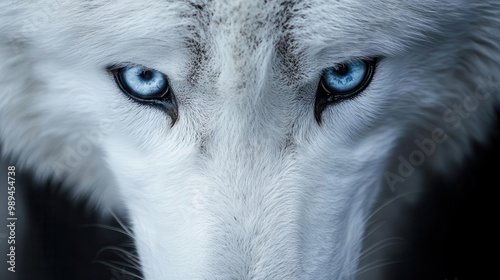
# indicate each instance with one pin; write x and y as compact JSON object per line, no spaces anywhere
{"x":146,"y":86}
{"x":344,"y":80}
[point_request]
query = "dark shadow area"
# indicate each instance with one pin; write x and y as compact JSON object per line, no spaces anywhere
{"x":64,"y":240}
{"x":451,"y":233}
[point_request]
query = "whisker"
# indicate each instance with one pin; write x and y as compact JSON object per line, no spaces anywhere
{"x":373,"y":230}
{"x":127,"y":257}
{"x":375,"y":265}
{"x":108,"y":227}
{"x":126,"y":265}
{"x":115,"y":248}
{"x":378,"y":246}
{"x":125,"y":228}
{"x":120,"y":269}
{"x":389,"y":202}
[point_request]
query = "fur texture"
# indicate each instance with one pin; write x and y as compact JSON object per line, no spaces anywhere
{"x":246,"y":184}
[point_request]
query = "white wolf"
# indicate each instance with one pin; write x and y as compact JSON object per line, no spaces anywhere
{"x":245,"y":139}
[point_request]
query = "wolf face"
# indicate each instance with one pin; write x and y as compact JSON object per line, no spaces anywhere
{"x":244,"y":139}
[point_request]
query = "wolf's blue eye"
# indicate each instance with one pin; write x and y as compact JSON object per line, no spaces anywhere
{"x":143,"y":82}
{"x":146,"y":86}
{"x":344,"y":78}
{"x":342,"y":81}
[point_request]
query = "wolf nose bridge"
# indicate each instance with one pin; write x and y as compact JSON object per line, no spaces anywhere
{"x":244,"y":71}
{"x":253,"y":229}
{"x":245,"y":85}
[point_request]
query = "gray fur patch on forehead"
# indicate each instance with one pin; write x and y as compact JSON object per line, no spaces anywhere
{"x":252,"y":23}
{"x":201,"y":17}
{"x":288,"y":52}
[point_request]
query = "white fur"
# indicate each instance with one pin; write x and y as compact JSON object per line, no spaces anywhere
{"x":246,"y":185}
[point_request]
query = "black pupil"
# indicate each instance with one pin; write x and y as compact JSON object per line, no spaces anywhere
{"x":342,"y":69}
{"x":146,"y":75}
